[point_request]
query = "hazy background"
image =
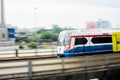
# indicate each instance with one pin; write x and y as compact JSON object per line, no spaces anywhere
{"x":66,"y":13}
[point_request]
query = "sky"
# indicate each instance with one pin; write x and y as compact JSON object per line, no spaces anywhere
{"x":66,"y":13}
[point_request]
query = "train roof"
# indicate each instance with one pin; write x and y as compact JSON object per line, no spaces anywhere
{"x":87,"y":32}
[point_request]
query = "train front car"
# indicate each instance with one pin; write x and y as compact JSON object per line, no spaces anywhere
{"x":63,"y":43}
{"x":66,"y":43}
{"x":84,"y":42}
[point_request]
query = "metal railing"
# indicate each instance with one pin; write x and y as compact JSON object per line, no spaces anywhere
{"x":30,"y":69}
{"x":26,"y":52}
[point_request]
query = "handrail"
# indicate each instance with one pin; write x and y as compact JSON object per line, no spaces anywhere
{"x":27,"y":52}
{"x":51,"y":66}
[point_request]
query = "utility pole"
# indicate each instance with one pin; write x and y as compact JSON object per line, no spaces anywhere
{"x":35,"y":17}
{"x":2,"y":14}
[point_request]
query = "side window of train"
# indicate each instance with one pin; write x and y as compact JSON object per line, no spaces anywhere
{"x":80,"y":41}
{"x":99,"y":40}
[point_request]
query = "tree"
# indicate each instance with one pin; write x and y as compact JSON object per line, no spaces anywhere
{"x":32,"y":45}
{"x":35,"y":37}
{"x":49,"y":36}
{"x":41,"y":31}
{"x":21,"y":47}
{"x":22,"y":33}
{"x":56,"y":29}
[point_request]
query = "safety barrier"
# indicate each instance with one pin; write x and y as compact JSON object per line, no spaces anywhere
{"x":26,"y":52}
{"x":33,"y":68}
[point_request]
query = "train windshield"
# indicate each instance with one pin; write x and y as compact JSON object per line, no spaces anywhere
{"x":64,"y":39}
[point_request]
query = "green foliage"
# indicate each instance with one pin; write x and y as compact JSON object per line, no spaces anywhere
{"x":42,"y":30}
{"x":27,"y":40}
{"x":21,"y":47}
{"x":22,"y":33}
{"x":32,"y":45}
{"x":68,"y":28}
{"x":46,"y":35}
{"x":50,"y":34}
{"x":56,"y":29}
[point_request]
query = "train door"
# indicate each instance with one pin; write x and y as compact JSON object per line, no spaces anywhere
{"x":78,"y":44}
{"x":87,"y":46}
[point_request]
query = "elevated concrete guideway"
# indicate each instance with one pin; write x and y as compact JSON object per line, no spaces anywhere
{"x":48,"y":67}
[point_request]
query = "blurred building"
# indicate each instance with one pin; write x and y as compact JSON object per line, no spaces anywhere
{"x":91,"y":25}
{"x":103,"y":24}
{"x":7,"y":37}
{"x":98,"y":24}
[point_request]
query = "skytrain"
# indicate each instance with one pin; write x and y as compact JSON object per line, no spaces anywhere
{"x":88,"y":42}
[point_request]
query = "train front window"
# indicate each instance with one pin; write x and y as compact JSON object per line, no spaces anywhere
{"x":80,"y":41}
{"x":66,"y":40}
{"x":60,"y":41}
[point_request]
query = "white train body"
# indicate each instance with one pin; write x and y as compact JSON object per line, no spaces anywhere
{"x":84,"y":42}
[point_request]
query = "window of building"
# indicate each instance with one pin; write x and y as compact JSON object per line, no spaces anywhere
{"x":80,"y":41}
{"x":98,"y":40}
{"x":3,"y":35}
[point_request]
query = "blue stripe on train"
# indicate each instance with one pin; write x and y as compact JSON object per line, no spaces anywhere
{"x":77,"y":51}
